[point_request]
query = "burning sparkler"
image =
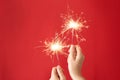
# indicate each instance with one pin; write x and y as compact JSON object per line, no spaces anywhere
{"x":73,"y":24}
{"x":54,"y":47}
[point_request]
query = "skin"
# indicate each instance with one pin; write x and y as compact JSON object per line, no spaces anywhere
{"x":75,"y":60}
{"x":57,"y":73}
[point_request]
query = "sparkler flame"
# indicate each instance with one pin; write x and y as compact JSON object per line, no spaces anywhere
{"x":54,"y":47}
{"x":72,"y":24}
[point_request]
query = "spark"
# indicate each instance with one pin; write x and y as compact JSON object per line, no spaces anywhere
{"x":72,"y":21}
{"x":54,"y":47}
{"x":73,"y":24}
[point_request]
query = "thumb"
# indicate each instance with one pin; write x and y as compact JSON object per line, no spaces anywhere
{"x":72,"y":52}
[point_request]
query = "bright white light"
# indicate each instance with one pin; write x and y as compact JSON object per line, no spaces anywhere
{"x":56,"y":47}
{"x":73,"y":24}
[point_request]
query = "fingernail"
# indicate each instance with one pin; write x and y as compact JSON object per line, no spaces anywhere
{"x":77,"y":46}
{"x":59,"y":66}
{"x":72,"y":46}
{"x":54,"y":68}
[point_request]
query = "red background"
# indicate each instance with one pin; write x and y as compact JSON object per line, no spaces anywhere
{"x":25,"y":22}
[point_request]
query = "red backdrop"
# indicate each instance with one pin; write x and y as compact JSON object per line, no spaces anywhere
{"x":25,"y":22}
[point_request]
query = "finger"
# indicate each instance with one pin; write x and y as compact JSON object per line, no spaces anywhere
{"x":72,"y":52}
{"x":79,"y":52}
{"x":60,"y":72}
{"x":54,"y":72}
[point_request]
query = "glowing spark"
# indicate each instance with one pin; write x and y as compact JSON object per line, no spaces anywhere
{"x":73,"y":24}
{"x":54,"y":47}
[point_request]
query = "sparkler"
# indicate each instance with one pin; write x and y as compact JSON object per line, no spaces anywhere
{"x":54,"y":47}
{"x":72,"y":25}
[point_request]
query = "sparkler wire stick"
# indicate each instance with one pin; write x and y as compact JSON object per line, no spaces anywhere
{"x":58,"y":59}
{"x":72,"y":36}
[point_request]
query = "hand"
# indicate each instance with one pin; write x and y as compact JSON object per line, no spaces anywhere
{"x":75,"y":60}
{"x":57,"y":74}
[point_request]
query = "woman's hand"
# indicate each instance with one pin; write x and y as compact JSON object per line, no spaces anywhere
{"x":75,"y":60}
{"x":57,"y":73}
